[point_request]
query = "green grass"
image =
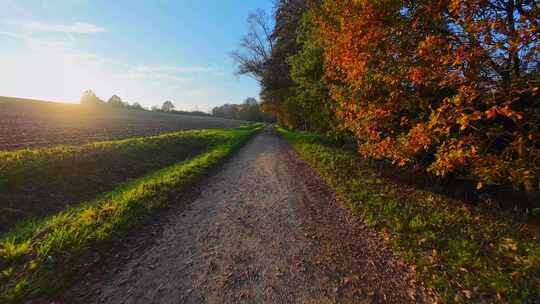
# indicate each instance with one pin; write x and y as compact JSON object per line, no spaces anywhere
{"x":464,"y":254}
{"x":38,"y":182}
{"x":40,"y":257}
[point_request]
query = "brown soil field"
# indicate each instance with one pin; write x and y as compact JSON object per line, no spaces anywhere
{"x":28,"y":123}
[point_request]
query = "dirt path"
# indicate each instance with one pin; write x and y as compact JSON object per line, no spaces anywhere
{"x":265,"y":229}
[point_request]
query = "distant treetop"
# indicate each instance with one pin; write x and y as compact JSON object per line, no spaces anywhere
{"x":167,"y":106}
{"x":249,"y":110}
{"x":88,"y":98}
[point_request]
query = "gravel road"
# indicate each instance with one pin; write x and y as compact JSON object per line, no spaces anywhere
{"x":264,"y":229}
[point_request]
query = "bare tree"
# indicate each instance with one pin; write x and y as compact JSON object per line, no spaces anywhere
{"x":255,"y":49}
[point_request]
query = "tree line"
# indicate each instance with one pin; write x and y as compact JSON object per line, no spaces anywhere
{"x":90,"y":99}
{"x":450,"y":87}
{"x":250,"y":110}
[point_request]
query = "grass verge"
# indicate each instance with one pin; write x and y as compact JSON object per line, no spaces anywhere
{"x":39,"y":257}
{"x":39,"y":182}
{"x":464,"y":254}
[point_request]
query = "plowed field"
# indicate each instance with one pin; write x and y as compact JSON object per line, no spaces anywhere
{"x":29,"y":124}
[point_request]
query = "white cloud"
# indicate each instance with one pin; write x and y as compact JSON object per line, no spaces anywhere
{"x":74,"y":28}
{"x":134,"y":73}
{"x":55,"y":68}
{"x":63,"y":51}
{"x":14,"y":35}
{"x":171,"y":74}
{"x":177,"y":69}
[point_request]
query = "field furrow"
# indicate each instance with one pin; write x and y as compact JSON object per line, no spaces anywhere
{"x":31,"y":124}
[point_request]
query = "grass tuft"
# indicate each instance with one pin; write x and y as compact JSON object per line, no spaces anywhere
{"x":40,"y":182}
{"x":39,"y":257}
{"x":465,"y":254}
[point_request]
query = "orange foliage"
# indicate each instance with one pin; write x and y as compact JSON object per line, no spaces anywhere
{"x":448,"y":85}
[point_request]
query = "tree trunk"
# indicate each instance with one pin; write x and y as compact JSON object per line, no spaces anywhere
{"x":530,"y":186}
{"x":530,"y":183}
{"x":514,"y":62}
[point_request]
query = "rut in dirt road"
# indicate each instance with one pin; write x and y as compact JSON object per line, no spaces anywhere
{"x":265,"y":229}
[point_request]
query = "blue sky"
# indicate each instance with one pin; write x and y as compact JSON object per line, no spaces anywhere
{"x":147,"y":51}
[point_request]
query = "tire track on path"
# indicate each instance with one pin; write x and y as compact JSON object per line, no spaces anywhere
{"x":264,"y":229}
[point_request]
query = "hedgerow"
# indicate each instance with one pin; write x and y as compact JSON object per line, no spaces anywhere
{"x":449,"y":87}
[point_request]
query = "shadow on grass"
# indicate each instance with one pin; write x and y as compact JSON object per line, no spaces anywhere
{"x":464,"y":252}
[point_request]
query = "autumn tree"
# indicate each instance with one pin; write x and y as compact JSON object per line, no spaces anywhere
{"x":249,"y":110}
{"x":263,"y":54}
{"x":451,"y":86}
